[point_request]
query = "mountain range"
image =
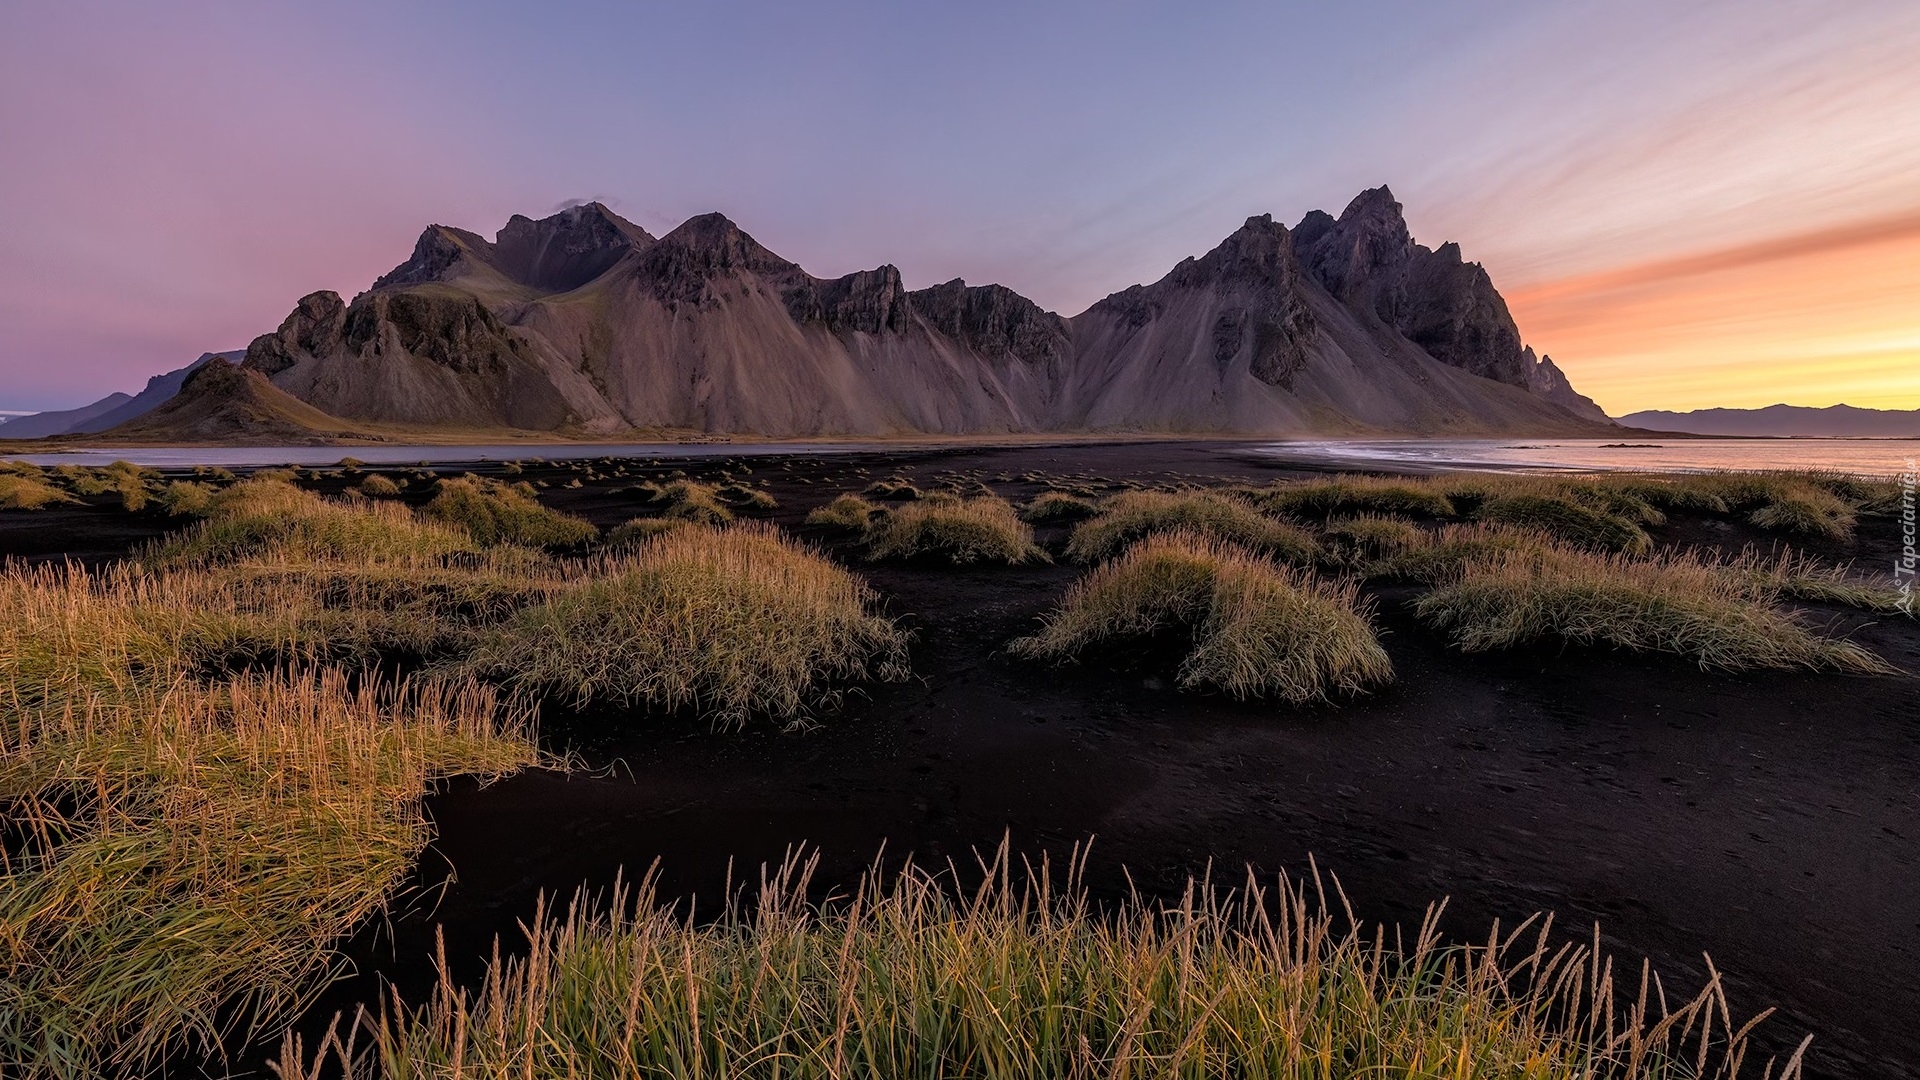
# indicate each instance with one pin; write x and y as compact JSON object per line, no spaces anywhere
{"x":583,"y":323}
{"x":1834,"y":421}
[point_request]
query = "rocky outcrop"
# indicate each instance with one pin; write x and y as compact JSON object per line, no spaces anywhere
{"x":316,"y":327}
{"x":1369,"y":261}
{"x":994,"y":321}
{"x":567,"y":250}
{"x":584,"y":322}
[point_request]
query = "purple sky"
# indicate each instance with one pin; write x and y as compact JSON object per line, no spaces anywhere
{"x":173,"y":176}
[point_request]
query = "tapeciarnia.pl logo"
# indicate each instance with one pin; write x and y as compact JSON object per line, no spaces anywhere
{"x":1904,"y":564}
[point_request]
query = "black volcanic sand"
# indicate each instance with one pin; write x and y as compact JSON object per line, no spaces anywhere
{"x":1771,"y":821}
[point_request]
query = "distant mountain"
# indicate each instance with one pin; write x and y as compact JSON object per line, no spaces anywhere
{"x":221,"y":402}
{"x":109,"y":411}
{"x":1784,"y":420}
{"x":59,"y":422}
{"x":584,"y":323}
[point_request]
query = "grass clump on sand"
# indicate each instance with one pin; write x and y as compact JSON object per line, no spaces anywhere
{"x":189,"y":855}
{"x":844,"y":512}
{"x":1260,"y":629}
{"x":19,"y":492}
{"x":640,"y":530}
{"x":960,"y":531}
{"x":924,"y":977}
{"x":377,"y":486}
{"x":748,"y":498}
{"x":187,"y":498}
{"x":1357,"y":540}
{"x":1565,"y":519}
{"x":1058,"y":506}
{"x":1348,"y":494}
{"x":733,"y":622}
{"x":1684,"y":605}
{"x":496,"y":513}
{"x":897,"y":489}
{"x":690,"y":500}
{"x":1134,"y":515}
{"x":271,"y":518}
{"x":1794,"y":576}
{"x":1442,"y":555}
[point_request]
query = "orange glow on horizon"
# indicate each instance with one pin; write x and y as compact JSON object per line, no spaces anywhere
{"x":1816,"y":319}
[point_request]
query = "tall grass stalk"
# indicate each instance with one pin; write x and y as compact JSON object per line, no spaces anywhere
{"x":1022,"y":978}
{"x":189,"y":854}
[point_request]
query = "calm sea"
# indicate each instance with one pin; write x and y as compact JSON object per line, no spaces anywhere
{"x":1859,"y":457}
{"x":1865,"y":457}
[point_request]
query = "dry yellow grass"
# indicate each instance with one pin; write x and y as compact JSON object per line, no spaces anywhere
{"x":1133,"y":515}
{"x":1360,"y":540}
{"x":1442,"y":555}
{"x":960,"y":531}
{"x":1260,"y":629}
{"x":733,"y":622}
{"x":1686,"y":605}
{"x":844,"y":512}
{"x":1058,"y":506}
{"x":496,"y":513}
{"x":192,"y":853}
{"x":1565,"y":518}
{"x":1349,"y":494}
{"x":271,"y":518}
{"x":19,"y":492}
{"x":920,"y":977}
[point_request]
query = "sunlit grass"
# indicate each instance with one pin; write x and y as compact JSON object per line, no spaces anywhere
{"x":495,"y":513}
{"x":1686,"y":605}
{"x":1260,"y":629}
{"x":961,"y":531}
{"x":1021,"y":978}
{"x":732,"y":622}
{"x":190,"y":854}
{"x":1133,"y":515}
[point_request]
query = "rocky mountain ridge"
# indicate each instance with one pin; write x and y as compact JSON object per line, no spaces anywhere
{"x":584,"y":323}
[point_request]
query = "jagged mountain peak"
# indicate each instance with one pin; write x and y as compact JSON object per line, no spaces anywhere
{"x":437,"y":256}
{"x":566,"y":250}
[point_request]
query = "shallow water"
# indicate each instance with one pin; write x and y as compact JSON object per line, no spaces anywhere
{"x":1861,"y":457}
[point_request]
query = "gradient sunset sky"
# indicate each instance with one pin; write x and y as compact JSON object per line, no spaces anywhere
{"x":1687,"y":203}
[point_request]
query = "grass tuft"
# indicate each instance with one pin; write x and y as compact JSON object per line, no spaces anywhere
{"x":640,"y":530}
{"x":925,"y":977}
{"x":1058,"y":506}
{"x":1684,"y":605}
{"x":959,"y":531}
{"x":1133,"y":515}
{"x":18,"y":492}
{"x":1260,"y":629}
{"x":1347,"y":494}
{"x":1565,"y":519}
{"x":376,"y":486}
{"x":1360,"y":540}
{"x":845,"y":512}
{"x":273,"y":519}
{"x":192,"y":854}
{"x":496,"y":513}
{"x":732,"y":622}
